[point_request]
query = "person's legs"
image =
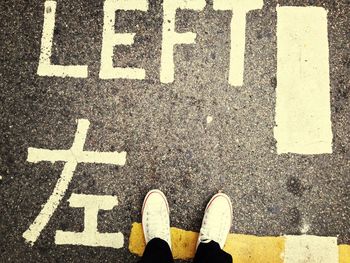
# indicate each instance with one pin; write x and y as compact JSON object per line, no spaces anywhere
{"x":157,"y":251}
{"x":211,"y":252}
{"x":216,"y":225}
{"x":156,"y":228}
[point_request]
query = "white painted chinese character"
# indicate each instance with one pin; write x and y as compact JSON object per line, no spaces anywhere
{"x":90,"y":236}
{"x":71,"y":157}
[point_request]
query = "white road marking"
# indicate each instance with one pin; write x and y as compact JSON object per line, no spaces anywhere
{"x":111,"y":39}
{"x":209,"y":119}
{"x":170,"y":38}
{"x":90,"y":236}
{"x":239,"y":8}
{"x":303,"y":120}
{"x":305,"y":227}
{"x":45,"y":67}
{"x":310,"y":249}
{"x":72,"y":157}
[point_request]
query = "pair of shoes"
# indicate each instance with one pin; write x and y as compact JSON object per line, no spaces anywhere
{"x":216,"y":222}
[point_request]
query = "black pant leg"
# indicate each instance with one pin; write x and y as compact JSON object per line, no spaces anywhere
{"x":211,"y":253}
{"x":157,"y":251}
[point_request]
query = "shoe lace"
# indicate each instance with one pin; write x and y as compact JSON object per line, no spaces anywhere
{"x":155,"y":223}
{"x":210,"y":230}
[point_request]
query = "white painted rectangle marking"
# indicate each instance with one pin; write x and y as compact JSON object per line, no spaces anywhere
{"x":310,"y":249}
{"x":303,"y":117}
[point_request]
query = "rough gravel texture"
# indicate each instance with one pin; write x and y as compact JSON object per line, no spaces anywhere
{"x":163,"y":128}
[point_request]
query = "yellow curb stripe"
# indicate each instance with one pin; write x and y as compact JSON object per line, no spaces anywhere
{"x":137,"y":242}
{"x":243,"y":248}
{"x":251,"y":249}
{"x":344,"y":253}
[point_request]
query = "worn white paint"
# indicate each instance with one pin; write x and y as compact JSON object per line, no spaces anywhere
{"x":239,"y":9}
{"x":45,"y":67}
{"x":72,"y":157}
{"x":310,"y":249}
{"x":304,"y":228}
{"x":209,"y":119}
{"x":303,"y":116}
{"x":90,"y":236}
{"x":111,"y":39}
{"x":170,"y":38}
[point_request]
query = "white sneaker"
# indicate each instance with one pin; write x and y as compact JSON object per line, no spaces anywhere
{"x":155,"y":217}
{"x":217,"y":220}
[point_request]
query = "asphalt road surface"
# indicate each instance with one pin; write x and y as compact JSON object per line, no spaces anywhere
{"x":190,"y":138}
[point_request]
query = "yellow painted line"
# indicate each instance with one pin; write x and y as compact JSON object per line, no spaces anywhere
{"x":344,"y":253}
{"x":243,"y":248}
{"x":251,"y":249}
